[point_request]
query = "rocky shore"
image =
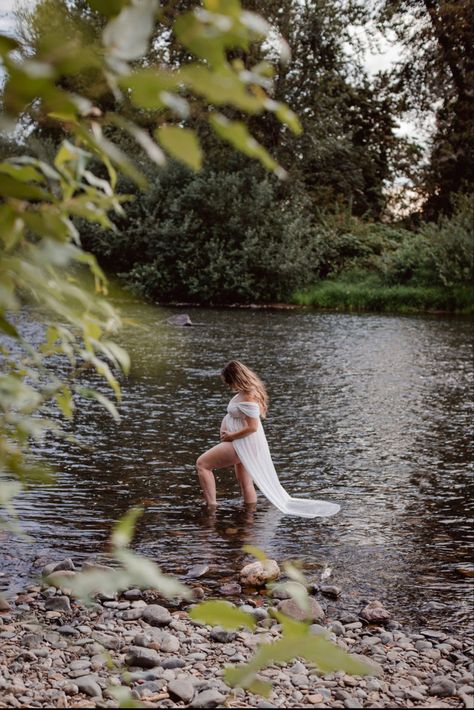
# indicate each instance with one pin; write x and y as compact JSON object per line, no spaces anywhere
{"x":55,"y":652}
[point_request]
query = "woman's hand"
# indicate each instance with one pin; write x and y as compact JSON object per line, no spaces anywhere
{"x":226,"y":436}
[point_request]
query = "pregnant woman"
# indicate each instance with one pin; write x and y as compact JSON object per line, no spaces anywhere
{"x":244,"y":445}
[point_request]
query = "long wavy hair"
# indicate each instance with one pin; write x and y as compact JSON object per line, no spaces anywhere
{"x":241,"y":378}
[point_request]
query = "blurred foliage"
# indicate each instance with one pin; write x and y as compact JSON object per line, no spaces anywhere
{"x":297,"y":639}
{"x":81,"y":78}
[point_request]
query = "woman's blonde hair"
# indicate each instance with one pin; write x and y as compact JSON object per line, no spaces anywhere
{"x":241,"y":378}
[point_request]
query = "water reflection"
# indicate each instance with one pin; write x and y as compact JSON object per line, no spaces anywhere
{"x":373,"y":412}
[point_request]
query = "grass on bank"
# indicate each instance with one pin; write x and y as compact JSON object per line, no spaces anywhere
{"x":368,"y":295}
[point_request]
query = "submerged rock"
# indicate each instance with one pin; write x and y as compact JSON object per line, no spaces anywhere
{"x":257,"y":574}
{"x":181,"y":319}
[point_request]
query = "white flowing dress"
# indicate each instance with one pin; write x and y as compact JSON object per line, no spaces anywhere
{"x":254,"y":454}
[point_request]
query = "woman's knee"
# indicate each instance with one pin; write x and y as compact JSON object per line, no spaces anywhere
{"x":201,"y":464}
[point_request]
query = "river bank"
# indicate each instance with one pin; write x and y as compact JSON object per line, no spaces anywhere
{"x":57,"y":653}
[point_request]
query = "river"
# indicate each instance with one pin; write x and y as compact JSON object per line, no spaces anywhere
{"x":371,"y":411}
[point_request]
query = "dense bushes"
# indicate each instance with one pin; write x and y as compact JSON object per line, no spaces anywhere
{"x":213,"y":237}
{"x":240,"y":235}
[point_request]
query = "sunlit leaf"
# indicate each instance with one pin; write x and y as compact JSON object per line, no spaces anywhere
{"x":182,"y":144}
{"x":99,"y":397}
{"x":10,"y":187}
{"x":65,"y":401}
{"x":123,"y":531}
{"x":255,"y":552}
{"x":221,"y":613}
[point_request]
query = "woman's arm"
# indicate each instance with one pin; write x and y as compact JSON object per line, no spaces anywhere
{"x":250,"y":428}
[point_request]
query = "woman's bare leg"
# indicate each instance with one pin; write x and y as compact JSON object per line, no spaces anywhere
{"x":219,"y":456}
{"x":246,"y":484}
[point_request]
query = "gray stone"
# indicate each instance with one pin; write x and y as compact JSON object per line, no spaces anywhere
{"x":222,"y":635}
{"x":347,"y":617}
{"x":60,"y":604}
{"x":132,"y":595}
{"x":197,"y":571}
{"x":156,"y":615}
{"x":292,"y":609}
{"x":182,"y":319}
{"x":330,"y":590}
{"x":230,"y":589}
{"x":142,"y":657}
{"x":181,"y":689}
{"x":157,"y":639}
{"x":112,"y":643}
{"x":88,"y":684}
{"x":352,"y":703}
{"x":66,"y":564}
{"x":443,"y":687}
{"x":67,"y":630}
{"x":337,"y":628}
{"x":208,"y":699}
{"x":131,"y":614}
{"x":173,"y":663}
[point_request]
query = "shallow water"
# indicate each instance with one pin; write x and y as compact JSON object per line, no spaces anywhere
{"x":373,"y":412}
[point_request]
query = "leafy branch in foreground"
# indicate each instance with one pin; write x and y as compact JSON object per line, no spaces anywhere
{"x":90,"y":90}
{"x":297,"y":640}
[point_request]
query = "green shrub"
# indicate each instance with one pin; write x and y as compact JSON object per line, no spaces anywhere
{"x":213,"y":237}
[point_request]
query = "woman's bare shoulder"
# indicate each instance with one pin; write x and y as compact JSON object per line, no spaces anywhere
{"x":249,"y":397}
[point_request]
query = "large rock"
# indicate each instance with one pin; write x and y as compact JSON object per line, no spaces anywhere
{"x":181,"y":689}
{"x":443,"y":687}
{"x":88,"y":685}
{"x":257,"y":574}
{"x":375,"y":612}
{"x":208,"y":699}
{"x":292,"y":609}
{"x":156,"y":615}
{"x":142,"y":657}
{"x":60,"y":604}
{"x":157,"y":639}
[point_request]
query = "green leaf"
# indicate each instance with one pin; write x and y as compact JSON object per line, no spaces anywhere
{"x":24,"y":173}
{"x":65,"y":402}
{"x":124,"y":529}
{"x":10,"y":187}
{"x":8,"y":328}
{"x":102,"y":399}
{"x":146,"y":86}
{"x":236,"y":133}
{"x":285,"y":115}
{"x":220,"y":87}
{"x":127,"y":35}
{"x":108,"y":7}
{"x":7,"y":44}
{"x":221,"y":613}
{"x":182,"y":144}
{"x":255,"y":552}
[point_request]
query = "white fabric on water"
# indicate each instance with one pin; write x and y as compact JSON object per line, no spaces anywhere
{"x":254,"y":454}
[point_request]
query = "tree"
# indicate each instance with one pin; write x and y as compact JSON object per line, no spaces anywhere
{"x":436,"y":73}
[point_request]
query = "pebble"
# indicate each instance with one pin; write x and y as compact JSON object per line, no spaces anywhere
{"x":142,"y":657}
{"x":292,"y":609}
{"x":156,"y":615}
{"x":88,"y":684}
{"x":208,"y":699}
